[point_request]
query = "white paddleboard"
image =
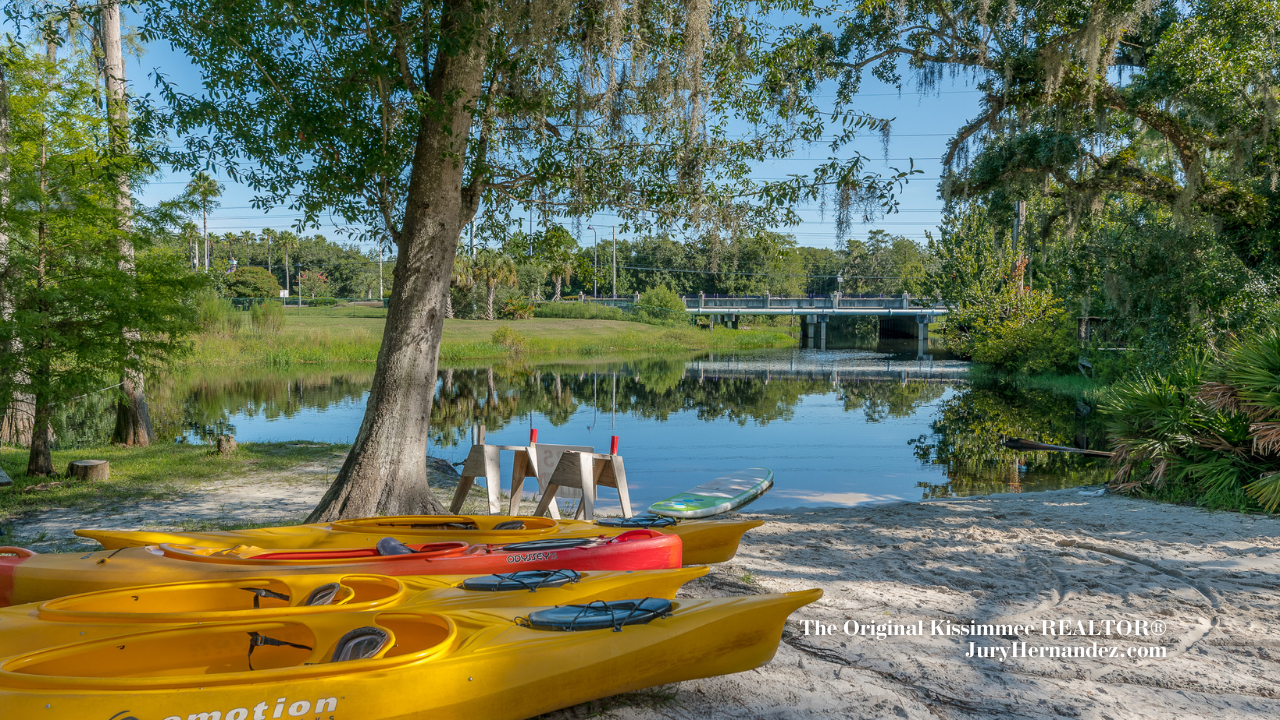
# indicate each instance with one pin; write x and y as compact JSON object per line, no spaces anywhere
{"x":724,"y":494}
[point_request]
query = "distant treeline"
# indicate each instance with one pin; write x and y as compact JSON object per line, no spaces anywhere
{"x":351,"y":271}
{"x":749,"y":265}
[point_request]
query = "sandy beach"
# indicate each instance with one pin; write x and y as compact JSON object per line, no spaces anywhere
{"x":1211,"y":578}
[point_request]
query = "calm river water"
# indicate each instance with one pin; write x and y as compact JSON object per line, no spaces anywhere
{"x":837,"y":427}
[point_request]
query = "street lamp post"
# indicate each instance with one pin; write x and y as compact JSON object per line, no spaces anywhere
{"x":595,"y":261}
{"x":615,"y":262}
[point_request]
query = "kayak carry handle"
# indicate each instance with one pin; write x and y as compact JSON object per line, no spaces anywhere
{"x":20,"y":552}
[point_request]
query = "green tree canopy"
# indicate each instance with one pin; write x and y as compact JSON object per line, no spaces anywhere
{"x":90,"y":295}
{"x":252,"y":282}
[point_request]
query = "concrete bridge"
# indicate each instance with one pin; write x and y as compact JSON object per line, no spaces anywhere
{"x":900,"y":312}
{"x":903,"y":316}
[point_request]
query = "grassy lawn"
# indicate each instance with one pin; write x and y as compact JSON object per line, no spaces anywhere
{"x":354,"y":334}
{"x":160,"y":471}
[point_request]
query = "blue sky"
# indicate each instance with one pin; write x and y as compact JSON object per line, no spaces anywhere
{"x":923,"y":122}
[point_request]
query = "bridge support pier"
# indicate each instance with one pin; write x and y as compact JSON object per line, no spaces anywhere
{"x":813,"y":332}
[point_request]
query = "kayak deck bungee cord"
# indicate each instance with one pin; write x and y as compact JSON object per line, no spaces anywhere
{"x":703,"y":541}
{"x":497,"y":664}
{"x":116,"y":612}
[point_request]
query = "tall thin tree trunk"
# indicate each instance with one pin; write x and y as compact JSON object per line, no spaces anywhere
{"x":557,"y":297}
{"x":488,"y":305}
{"x":40,"y":458}
{"x":385,"y":473}
{"x":133,"y":420}
{"x":17,"y":407}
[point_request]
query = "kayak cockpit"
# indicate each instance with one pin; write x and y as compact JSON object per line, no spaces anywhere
{"x":222,"y":599}
{"x":433,"y":524}
{"x":249,"y":555}
{"x":238,"y":653}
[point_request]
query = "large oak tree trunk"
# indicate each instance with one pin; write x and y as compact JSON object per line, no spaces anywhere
{"x":386,"y":472}
{"x":133,"y":421}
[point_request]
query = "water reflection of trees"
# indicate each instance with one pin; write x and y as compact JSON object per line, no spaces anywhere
{"x":880,"y":400}
{"x":967,"y":441}
{"x":650,"y":389}
{"x":201,"y":404}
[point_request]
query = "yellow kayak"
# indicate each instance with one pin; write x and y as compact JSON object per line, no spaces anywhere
{"x":117,"y":612}
{"x":495,"y":664}
{"x":704,"y":541}
{"x":27,"y":576}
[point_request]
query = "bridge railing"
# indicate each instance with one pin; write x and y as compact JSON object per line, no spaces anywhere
{"x":821,"y":302}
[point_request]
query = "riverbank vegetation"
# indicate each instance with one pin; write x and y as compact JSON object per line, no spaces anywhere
{"x":1117,"y":187}
{"x":353,"y":334}
{"x":1112,"y":210}
{"x":1206,"y":432}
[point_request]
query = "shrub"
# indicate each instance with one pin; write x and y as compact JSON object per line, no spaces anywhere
{"x":252,"y":282}
{"x":510,"y":339}
{"x":313,"y":283}
{"x":580,"y":311}
{"x":516,"y":308}
{"x":321,"y":301}
{"x":1015,"y":330}
{"x":217,"y":315}
{"x":1206,"y":432}
{"x":661,"y":306}
{"x":267,"y":317}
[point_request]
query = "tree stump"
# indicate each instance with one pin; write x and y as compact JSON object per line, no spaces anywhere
{"x":88,"y":470}
{"x":226,"y":444}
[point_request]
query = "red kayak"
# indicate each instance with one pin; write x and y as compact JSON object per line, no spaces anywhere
{"x":30,"y":577}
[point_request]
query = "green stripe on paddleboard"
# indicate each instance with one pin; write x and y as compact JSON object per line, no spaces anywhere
{"x":724,"y":494}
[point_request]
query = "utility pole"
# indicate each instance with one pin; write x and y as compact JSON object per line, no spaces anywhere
{"x":1019,"y":219}
{"x":615,"y":262}
{"x":595,"y":260}
{"x":204,"y":213}
{"x":473,"y":238}
{"x":381,"y":293}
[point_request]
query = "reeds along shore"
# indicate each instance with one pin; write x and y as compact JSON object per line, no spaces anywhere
{"x":470,"y":340}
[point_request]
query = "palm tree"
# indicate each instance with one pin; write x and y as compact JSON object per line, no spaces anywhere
{"x":493,"y":269}
{"x":461,"y":278}
{"x":204,"y":191}
{"x":268,"y":235}
{"x":556,"y":247}
{"x":561,"y":266}
{"x":287,"y":241}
